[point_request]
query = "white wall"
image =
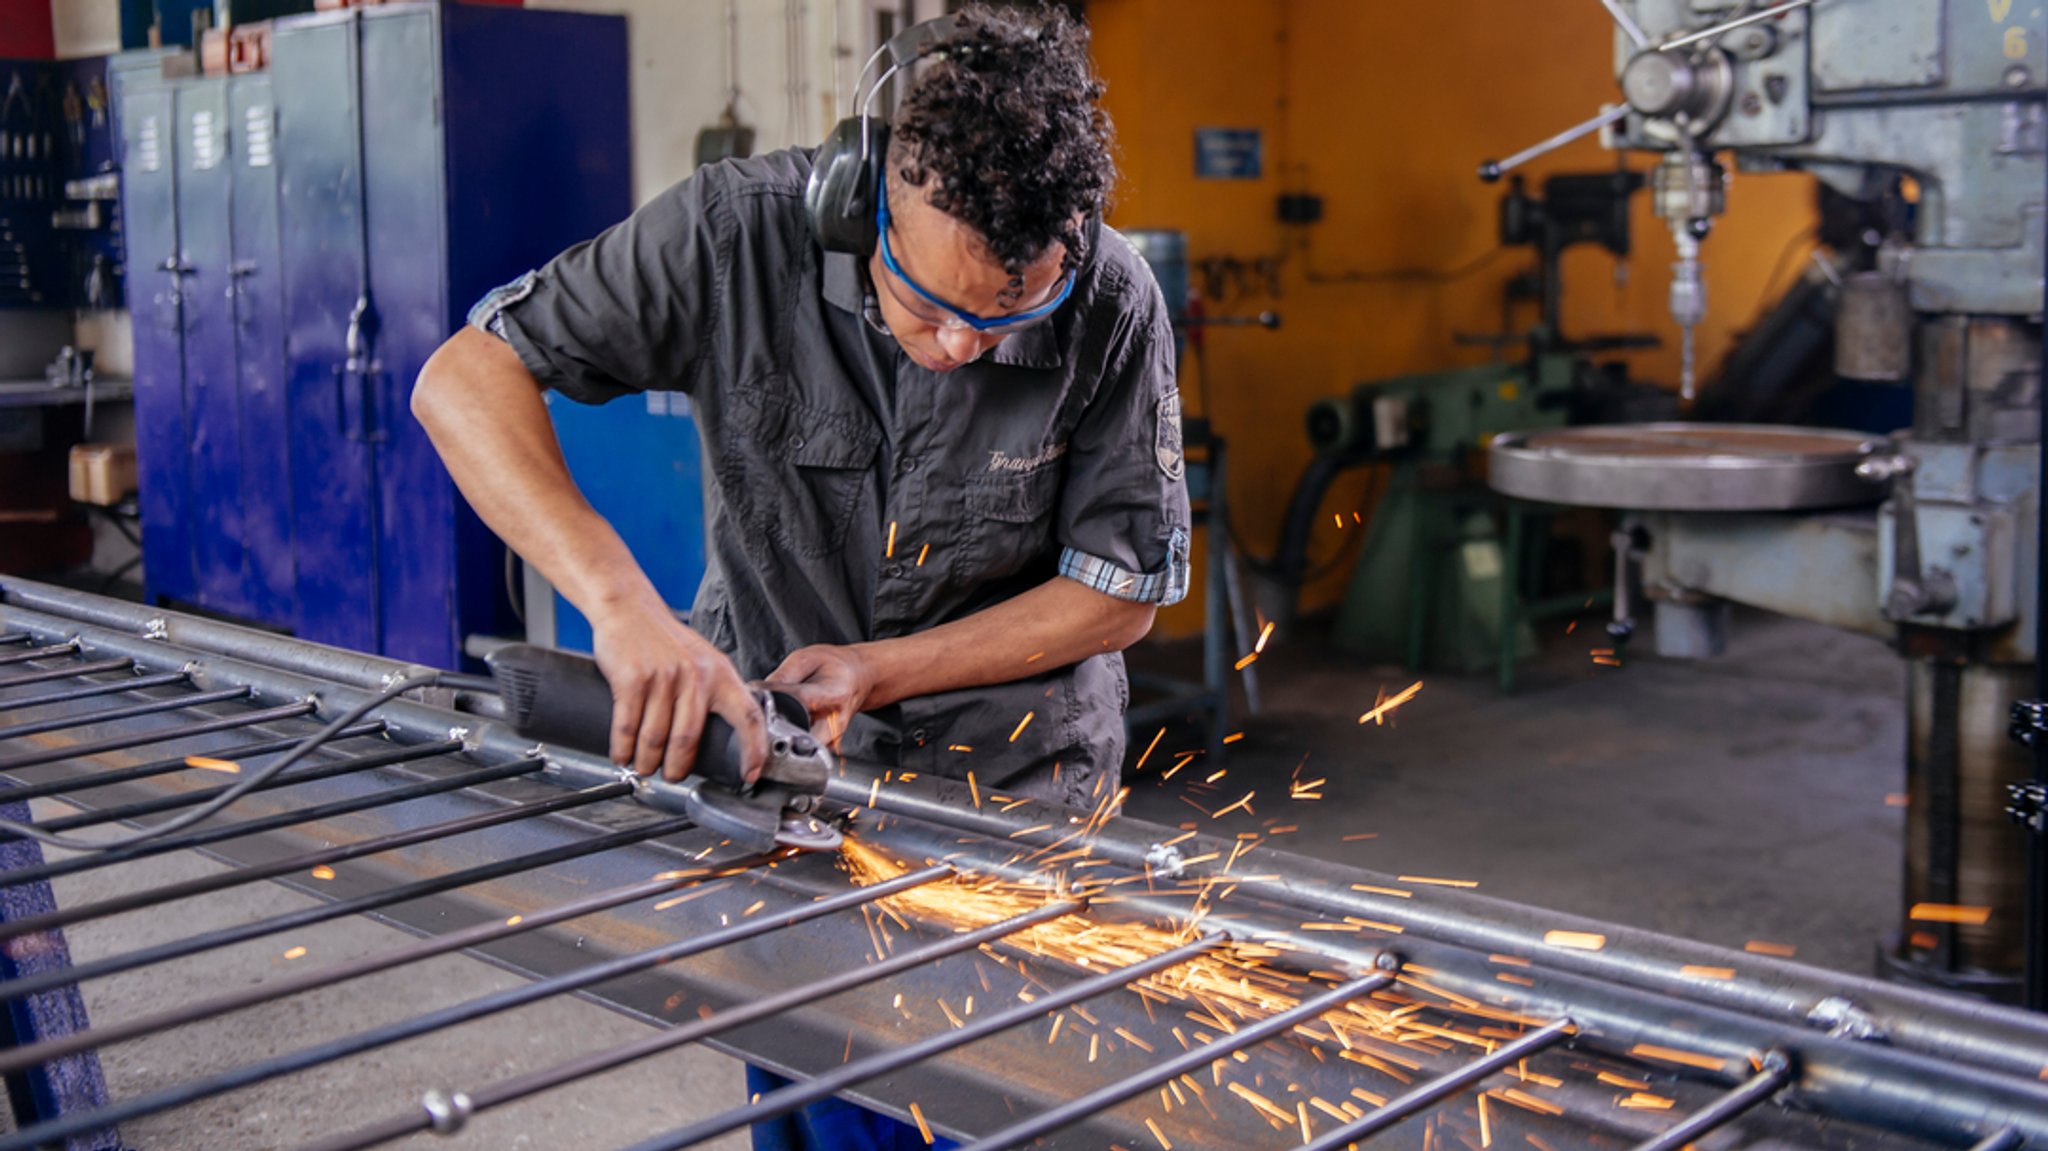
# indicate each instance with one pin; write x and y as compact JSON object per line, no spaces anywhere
{"x":678,"y":50}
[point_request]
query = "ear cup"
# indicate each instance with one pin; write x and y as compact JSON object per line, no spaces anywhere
{"x":840,"y":197}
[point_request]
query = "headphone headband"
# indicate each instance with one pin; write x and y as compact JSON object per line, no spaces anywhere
{"x":840,"y":198}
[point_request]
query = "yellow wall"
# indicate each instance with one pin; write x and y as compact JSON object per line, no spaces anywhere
{"x":1384,"y":109}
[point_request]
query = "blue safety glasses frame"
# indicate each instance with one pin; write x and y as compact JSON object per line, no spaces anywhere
{"x":955,"y":318}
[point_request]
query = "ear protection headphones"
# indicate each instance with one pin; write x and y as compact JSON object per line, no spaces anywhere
{"x":840,"y":198}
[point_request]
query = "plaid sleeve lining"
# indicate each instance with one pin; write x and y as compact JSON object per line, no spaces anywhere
{"x":1169,"y":585}
{"x":488,"y":313}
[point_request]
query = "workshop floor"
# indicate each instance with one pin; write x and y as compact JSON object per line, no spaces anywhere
{"x":1733,"y":800}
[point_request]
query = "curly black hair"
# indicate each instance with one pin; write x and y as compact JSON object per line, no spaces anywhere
{"x":1006,"y":130}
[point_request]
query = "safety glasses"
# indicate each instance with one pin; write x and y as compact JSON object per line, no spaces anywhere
{"x":951,"y":317}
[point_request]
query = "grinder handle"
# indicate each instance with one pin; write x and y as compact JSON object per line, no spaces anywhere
{"x":562,"y":698}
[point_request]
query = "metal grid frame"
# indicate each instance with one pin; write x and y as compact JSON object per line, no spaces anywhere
{"x":1395,"y":1013}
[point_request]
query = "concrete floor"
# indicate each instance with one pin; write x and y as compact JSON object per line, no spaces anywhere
{"x":1742,"y":799}
{"x":1727,"y":801}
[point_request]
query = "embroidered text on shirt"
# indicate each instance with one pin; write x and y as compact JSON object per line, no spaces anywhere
{"x":999,"y":461}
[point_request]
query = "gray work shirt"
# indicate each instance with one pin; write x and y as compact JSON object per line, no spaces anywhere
{"x":854,"y":496}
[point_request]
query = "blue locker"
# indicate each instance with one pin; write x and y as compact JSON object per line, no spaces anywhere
{"x":426,"y":153}
{"x":149,"y":194}
{"x":255,"y":285}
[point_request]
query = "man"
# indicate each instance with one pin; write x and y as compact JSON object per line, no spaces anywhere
{"x":944,"y":481}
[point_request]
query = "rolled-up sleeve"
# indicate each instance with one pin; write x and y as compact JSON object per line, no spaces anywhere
{"x":1123,"y":514}
{"x":628,"y":311}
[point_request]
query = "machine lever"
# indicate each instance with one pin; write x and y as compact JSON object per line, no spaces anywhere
{"x":1915,"y":590}
{"x":1492,"y":170}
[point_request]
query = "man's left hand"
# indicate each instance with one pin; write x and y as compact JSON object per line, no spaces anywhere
{"x":832,"y":682}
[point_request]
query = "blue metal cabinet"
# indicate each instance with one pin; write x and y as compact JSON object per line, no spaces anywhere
{"x":427,"y":153}
{"x":255,"y":285}
{"x":149,"y":192}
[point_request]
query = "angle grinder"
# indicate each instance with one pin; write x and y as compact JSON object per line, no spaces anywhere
{"x":560,"y":698}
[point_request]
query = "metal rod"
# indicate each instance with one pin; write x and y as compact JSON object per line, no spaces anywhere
{"x":213,"y":940}
{"x":1436,"y":1090}
{"x":21,"y":1058}
{"x":68,"y":647}
{"x":14,"y":637}
{"x":1627,"y":24}
{"x":237,"y":753}
{"x":138,"y":739}
{"x":46,"y":675}
{"x":339,"y":807}
{"x":597,"y":1062}
{"x":2006,"y":1140}
{"x":1103,"y":1098}
{"x":459,"y":1013}
{"x":108,"y":715}
{"x":1770,"y":1078}
{"x":130,"y":811}
{"x":207,"y":884}
{"x":788,"y":1099}
{"x":132,"y":683}
{"x":1723,"y":29}
{"x":1493,"y":170}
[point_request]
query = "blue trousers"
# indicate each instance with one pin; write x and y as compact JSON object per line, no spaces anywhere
{"x":831,"y":1125}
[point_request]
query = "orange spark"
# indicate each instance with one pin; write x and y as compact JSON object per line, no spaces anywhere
{"x":1021,"y":725}
{"x":205,"y":763}
{"x":1380,"y":709}
{"x":323,"y":872}
{"x":1766,"y":947}
{"x":890,"y":553}
{"x":1949,"y":913}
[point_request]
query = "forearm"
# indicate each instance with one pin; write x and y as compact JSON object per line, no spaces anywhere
{"x":485,"y":413}
{"x":1057,"y":623}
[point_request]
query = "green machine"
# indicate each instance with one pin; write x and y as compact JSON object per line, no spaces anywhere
{"x":1431,"y":586}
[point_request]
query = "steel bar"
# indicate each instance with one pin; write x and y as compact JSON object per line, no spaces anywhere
{"x":193,"y":798}
{"x":236,"y":753}
{"x":1770,"y":1078}
{"x":1437,"y":1090}
{"x":331,"y":810}
{"x":55,"y":673}
{"x":14,"y":637}
{"x":204,"y":885}
{"x":116,"y":687}
{"x":54,"y":650}
{"x":150,"y":707}
{"x":1946,"y":1027}
{"x":499,"y":1001}
{"x":1103,"y":1098}
{"x":322,"y":913}
{"x":790,"y":1098}
{"x":138,"y":739}
{"x":597,"y":1062}
{"x":21,"y":1058}
{"x":2006,"y":1140}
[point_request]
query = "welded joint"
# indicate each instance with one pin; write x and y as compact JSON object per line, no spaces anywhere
{"x":1165,"y":860}
{"x":1842,"y":1018}
{"x":1388,"y":961}
{"x":1775,"y":1063}
{"x":447,"y":1111}
{"x":469,"y":740}
{"x":157,"y":628}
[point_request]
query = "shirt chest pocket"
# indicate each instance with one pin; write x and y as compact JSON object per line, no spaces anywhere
{"x":1010,"y":520}
{"x":798,"y":474}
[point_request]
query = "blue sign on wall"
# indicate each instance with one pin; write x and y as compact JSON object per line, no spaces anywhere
{"x":1229,"y":153}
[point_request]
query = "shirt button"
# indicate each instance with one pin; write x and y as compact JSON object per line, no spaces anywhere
{"x":919,"y":735}
{"x":907,"y":464}
{"x":796,"y":443}
{"x":895,"y":571}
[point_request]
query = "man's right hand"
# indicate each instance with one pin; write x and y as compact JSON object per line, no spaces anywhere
{"x":665,"y":679}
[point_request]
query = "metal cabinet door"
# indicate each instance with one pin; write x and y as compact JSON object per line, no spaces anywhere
{"x":417,"y":564}
{"x":314,"y":76}
{"x":149,"y":211}
{"x":213,"y":423}
{"x":258,"y":292}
